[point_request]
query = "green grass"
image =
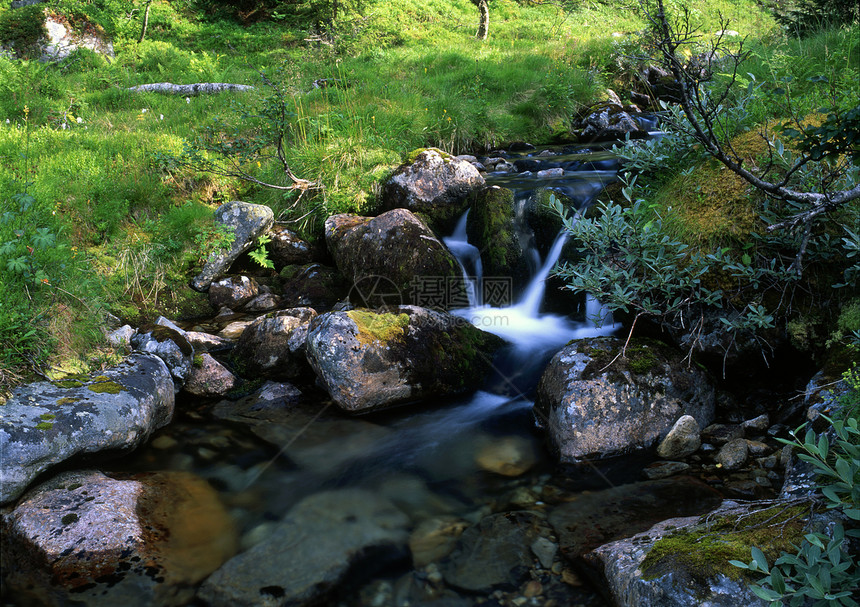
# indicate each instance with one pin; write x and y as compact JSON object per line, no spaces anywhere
{"x":130,"y":230}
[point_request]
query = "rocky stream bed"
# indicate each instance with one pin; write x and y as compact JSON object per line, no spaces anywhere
{"x":401,"y":417}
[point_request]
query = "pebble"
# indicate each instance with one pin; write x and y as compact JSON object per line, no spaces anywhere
{"x":758,"y":423}
{"x":733,"y":455}
{"x":533,"y":588}
{"x":659,"y":470}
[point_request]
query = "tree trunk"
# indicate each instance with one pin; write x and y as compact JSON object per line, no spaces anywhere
{"x":145,"y":21}
{"x":484,"y":25}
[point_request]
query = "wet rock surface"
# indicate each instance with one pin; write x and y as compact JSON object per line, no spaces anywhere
{"x":595,"y":405}
{"x":44,"y":423}
{"x":84,"y":537}
{"x":331,"y":531}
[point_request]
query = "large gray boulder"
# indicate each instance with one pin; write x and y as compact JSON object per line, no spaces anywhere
{"x":308,"y":554}
{"x":84,"y":538}
{"x":434,"y":185}
{"x":248,"y":221}
{"x":273,"y":346}
{"x":684,"y":562}
{"x":593,"y":404}
{"x":46,"y":423}
{"x":369,"y":360}
{"x":392,"y":259}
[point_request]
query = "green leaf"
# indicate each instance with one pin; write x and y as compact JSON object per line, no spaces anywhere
{"x":777,"y":581}
{"x":759,"y":559}
{"x":765,"y":593}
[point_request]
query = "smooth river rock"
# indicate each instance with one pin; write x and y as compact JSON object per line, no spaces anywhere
{"x":393,"y":259}
{"x":593,"y":404}
{"x":435,"y":185}
{"x":46,"y":423}
{"x":84,"y":538}
{"x":308,"y":554}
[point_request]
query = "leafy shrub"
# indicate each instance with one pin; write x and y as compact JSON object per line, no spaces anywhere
{"x":822,"y":572}
{"x":22,"y":28}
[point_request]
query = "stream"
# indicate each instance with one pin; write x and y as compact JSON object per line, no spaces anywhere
{"x":442,"y":463}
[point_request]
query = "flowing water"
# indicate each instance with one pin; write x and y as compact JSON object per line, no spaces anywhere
{"x":431,"y":461}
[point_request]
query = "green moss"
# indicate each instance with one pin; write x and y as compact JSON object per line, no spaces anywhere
{"x":705,"y":551}
{"x":44,"y":426}
{"x":47,"y":416}
{"x":109,"y":387}
{"x":373,"y":327}
{"x":643,"y":355}
{"x":68,"y":383}
{"x":198,"y":360}
{"x":69,"y":519}
{"x":67,"y":401}
{"x":101,"y":378}
{"x":413,"y":155}
{"x":74,"y":486}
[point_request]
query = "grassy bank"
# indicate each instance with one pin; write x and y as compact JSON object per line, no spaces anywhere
{"x":96,"y":221}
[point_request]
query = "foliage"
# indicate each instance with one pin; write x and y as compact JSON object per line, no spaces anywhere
{"x":803,"y":16}
{"x":22,"y":28}
{"x":822,"y":570}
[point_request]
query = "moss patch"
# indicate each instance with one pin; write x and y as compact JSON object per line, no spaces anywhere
{"x":109,"y":387}
{"x":413,"y":155}
{"x":68,"y":383}
{"x":643,"y":356}
{"x":47,"y":416}
{"x":44,"y":426}
{"x":69,"y":519}
{"x":703,"y":553}
{"x":373,"y":327}
{"x":67,"y":401}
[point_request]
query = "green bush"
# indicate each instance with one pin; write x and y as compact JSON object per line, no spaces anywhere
{"x":22,"y":28}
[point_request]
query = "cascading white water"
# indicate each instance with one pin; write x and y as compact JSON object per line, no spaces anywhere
{"x":522,"y":324}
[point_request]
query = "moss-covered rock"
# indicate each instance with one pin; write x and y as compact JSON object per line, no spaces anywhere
{"x":685,"y":561}
{"x":492,"y":228}
{"x":370,"y":360}
{"x":117,"y":409}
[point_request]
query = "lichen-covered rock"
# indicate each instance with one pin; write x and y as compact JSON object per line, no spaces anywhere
{"x":248,"y":221}
{"x":434,"y":185}
{"x":492,"y":228}
{"x":593,"y":404}
{"x":398,"y":248}
{"x":683,"y":562}
{"x":308,"y":554}
{"x":733,"y":455}
{"x":208,"y":377}
{"x":368,"y":360}
{"x":609,"y":122}
{"x":44,"y":423}
{"x":273,"y":346}
{"x":232,"y":292}
{"x":170,"y":345}
{"x":264,"y":302}
{"x":86,"y":538}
